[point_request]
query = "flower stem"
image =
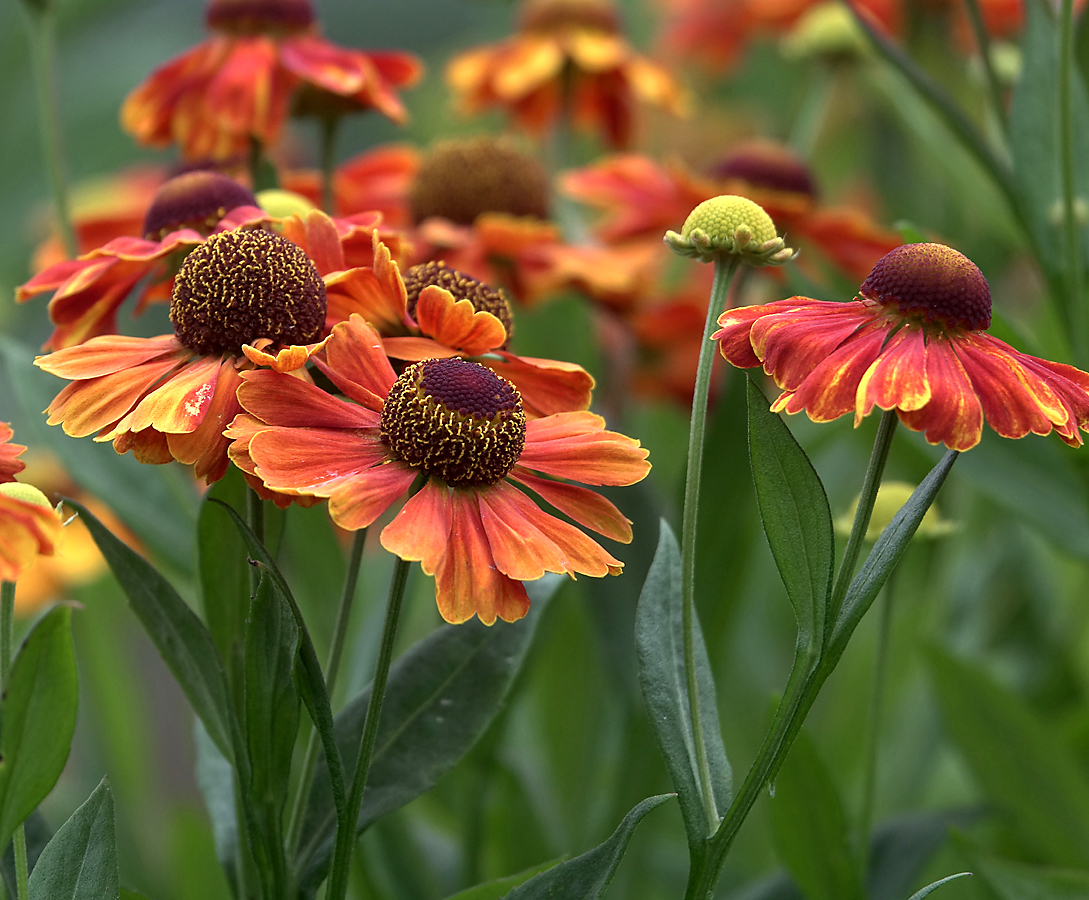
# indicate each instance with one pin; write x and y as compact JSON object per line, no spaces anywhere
{"x":1071,"y":225}
{"x":725,"y":267}
{"x":330,"y":127}
{"x":877,"y":705}
{"x":43,"y":60}
{"x":7,"y":643}
{"x":345,"y":837}
{"x":332,"y":668}
{"x":255,"y":515}
{"x":983,"y":42}
{"x":807,"y":126}
{"x":805,"y":683}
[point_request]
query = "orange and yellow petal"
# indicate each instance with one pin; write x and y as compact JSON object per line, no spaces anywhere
{"x":953,"y":415}
{"x":586,"y":507}
{"x":27,"y":530}
{"x":313,"y":460}
{"x":356,"y":362}
{"x":10,"y":464}
{"x":457,"y":323}
{"x":898,"y":378}
{"x":421,"y":530}
{"x":575,"y":445}
{"x":547,"y":386}
{"x":179,"y":404}
{"x":292,"y":402}
{"x":205,"y":447}
{"x":361,"y":500}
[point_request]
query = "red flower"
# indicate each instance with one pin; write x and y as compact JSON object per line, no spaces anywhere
{"x":914,"y":340}
{"x":238,"y":84}
{"x":460,"y":427}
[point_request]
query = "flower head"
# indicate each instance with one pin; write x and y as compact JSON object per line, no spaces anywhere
{"x":567,"y":54}
{"x":891,"y":496}
{"x":242,"y":298}
{"x":730,"y":225}
{"x":463,"y":430}
{"x":88,"y":291}
{"x":238,"y":85}
{"x":913,"y":340}
{"x":29,"y":526}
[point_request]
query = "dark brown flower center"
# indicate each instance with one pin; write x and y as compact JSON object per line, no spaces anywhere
{"x":483,"y":298}
{"x":556,"y":15}
{"x":932,"y":282}
{"x":239,"y":286}
{"x":196,"y":200}
{"x":259,"y":16}
{"x":767,"y":165}
{"x":460,"y":179}
{"x":457,"y":420}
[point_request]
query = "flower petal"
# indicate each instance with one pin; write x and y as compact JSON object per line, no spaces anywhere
{"x":357,"y":364}
{"x":574,"y":445}
{"x":313,"y":460}
{"x":547,"y":386}
{"x":583,"y":505}
{"x":953,"y":416}
{"x":421,"y":530}
{"x":898,"y":378}
{"x":520,"y":550}
{"x":361,"y":500}
{"x":289,"y":401}
{"x":457,"y":323}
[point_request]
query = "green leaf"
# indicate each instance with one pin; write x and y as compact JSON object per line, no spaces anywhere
{"x":797,"y":518}
{"x":272,"y":713}
{"x":1021,"y":764}
{"x":1008,"y":880}
{"x":659,"y":640}
{"x":223,"y":567}
{"x":902,"y":848}
{"x":1034,"y":135}
{"x":586,"y":877}
{"x":885,"y":555}
{"x":38,"y":710}
{"x":500,"y":887}
{"x":80,"y":863}
{"x":930,"y":888}
{"x":137,"y":493}
{"x":810,"y":828}
{"x":215,"y":778}
{"x":126,"y":894}
{"x":440,"y":698}
{"x":185,"y":645}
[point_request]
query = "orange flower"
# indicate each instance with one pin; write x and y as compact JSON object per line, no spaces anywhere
{"x":87,"y":291}
{"x":378,"y":180}
{"x":462,"y":428}
{"x":238,"y":296}
{"x":238,"y":84}
{"x":436,"y":311}
{"x":29,"y":526}
{"x":568,"y":57}
{"x":642,"y":198}
{"x":913,"y":341}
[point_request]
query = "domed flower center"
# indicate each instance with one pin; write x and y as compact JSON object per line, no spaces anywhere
{"x":457,"y":420}
{"x":196,"y":200}
{"x":239,"y":286}
{"x":483,"y":298}
{"x":259,"y":16}
{"x":460,"y":179}
{"x":721,"y":217}
{"x":557,"y":15}
{"x":933,"y":282}
{"x":767,"y":165}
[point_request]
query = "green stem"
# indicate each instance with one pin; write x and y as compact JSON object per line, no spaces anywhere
{"x":725,"y":267}
{"x":255,"y":516}
{"x":330,"y":126}
{"x":345,"y":837}
{"x":983,"y":41}
{"x":332,"y":668}
{"x":1071,"y":226}
{"x":806,"y":679}
{"x":877,"y":705}
{"x":810,"y":120}
{"x":7,"y":645}
{"x":43,"y":60}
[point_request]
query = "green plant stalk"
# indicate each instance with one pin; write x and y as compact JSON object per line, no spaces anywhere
{"x":806,"y":679}
{"x":330,"y":128}
{"x":255,"y":516}
{"x":877,"y":706}
{"x":332,"y":668}
{"x":7,"y":645}
{"x":725,"y":267}
{"x":43,"y":61}
{"x":345,"y":837}
{"x":983,"y":42}
{"x":1071,"y":227}
{"x":807,"y":127}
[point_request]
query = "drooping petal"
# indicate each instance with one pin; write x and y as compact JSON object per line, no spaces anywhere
{"x":290,"y":401}
{"x":584,"y":555}
{"x":953,"y":416}
{"x":583,"y":505}
{"x":898,"y":378}
{"x":361,"y":500}
{"x":313,"y":460}
{"x":575,"y":445}
{"x":205,"y":447}
{"x":10,"y":464}
{"x":108,"y":354}
{"x":179,"y":403}
{"x":421,"y":530}
{"x":519,"y":549}
{"x":357,"y":364}
{"x":547,"y":386}
{"x":325,"y":65}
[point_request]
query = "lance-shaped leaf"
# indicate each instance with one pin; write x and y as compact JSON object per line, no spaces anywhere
{"x":797,"y":518}
{"x":185,"y":645}
{"x":659,"y":640}
{"x":440,"y":698}
{"x":38,"y":711}
{"x":934,"y":885}
{"x":222,"y":565}
{"x":586,"y":877}
{"x":80,"y":862}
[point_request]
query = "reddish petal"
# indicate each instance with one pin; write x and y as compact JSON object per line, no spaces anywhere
{"x":573,"y":445}
{"x":149,"y":446}
{"x":289,"y":401}
{"x":239,"y":97}
{"x":897,"y":380}
{"x":108,"y":354}
{"x":361,"y":500}
{"x":520,"y":550}
{"x":357,"y":364}
{"x":180,"y":403}
{"x":414,"y":349}
{"x":581,"y":504}
{"x":953,"y":416}
{"x":315,"y":461}
{"x":546,"y":385}
{"x":584,"y":555}
{"x":325,"y":65}
{"x":205,"y":448}
{"x":421,"y":530}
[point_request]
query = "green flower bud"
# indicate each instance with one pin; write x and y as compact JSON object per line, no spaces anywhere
{"x":730,"y":225}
